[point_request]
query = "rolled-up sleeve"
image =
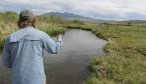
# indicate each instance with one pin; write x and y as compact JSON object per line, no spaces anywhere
{"x":50,"y":45}
{"x":6,"y":57}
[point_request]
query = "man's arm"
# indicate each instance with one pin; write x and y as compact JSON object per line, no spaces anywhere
{"x":6,"y":57}
{"x":52,"y":46}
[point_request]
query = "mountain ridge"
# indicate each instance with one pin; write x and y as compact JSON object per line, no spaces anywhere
{"x":66,"y":15}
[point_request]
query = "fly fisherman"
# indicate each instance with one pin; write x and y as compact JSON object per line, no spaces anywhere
{"x":23,"y":51}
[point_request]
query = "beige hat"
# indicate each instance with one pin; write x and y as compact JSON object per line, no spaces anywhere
{"x":26,"y":15}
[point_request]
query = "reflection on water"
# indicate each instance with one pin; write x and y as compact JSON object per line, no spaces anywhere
{"x":70,"y":66}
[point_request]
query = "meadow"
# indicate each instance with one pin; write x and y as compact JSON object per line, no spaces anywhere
{"x":125,"y":59}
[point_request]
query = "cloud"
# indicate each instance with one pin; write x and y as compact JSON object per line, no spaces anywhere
{"x":100,"y":9}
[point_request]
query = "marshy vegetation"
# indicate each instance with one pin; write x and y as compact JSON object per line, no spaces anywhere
{"x":125,"y":61}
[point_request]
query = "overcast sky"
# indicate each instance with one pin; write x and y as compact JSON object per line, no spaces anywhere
{"x":99,"y":9}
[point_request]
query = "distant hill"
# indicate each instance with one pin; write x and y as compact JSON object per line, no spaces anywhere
{"x":67,"y":15}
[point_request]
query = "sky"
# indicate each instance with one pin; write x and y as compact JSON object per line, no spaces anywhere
{"x":98,"y":9}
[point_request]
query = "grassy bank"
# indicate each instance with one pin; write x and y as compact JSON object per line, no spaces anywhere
{"x":125,"y":62}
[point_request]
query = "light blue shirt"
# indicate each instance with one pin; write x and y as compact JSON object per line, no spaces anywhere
{"x":23,"y":53}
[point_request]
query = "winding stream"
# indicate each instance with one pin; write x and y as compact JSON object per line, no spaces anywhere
{"x":70,"y":66}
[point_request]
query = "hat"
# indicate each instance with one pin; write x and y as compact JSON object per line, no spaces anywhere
{"x":26,"y":15}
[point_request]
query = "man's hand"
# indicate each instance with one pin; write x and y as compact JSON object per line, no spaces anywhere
{"x":59,"y":37}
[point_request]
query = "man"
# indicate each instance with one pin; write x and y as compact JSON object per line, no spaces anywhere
{"x":23,"y":51}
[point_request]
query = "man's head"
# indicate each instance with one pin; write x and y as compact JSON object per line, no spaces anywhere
{"x":26,"y":17}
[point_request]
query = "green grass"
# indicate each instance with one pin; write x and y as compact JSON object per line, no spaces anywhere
{"x":51,"y":29}
{"x":125,"y":61}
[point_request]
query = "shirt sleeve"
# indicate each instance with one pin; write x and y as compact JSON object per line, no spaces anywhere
{"x":52,"y":46}
{"x":6,"y":57}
